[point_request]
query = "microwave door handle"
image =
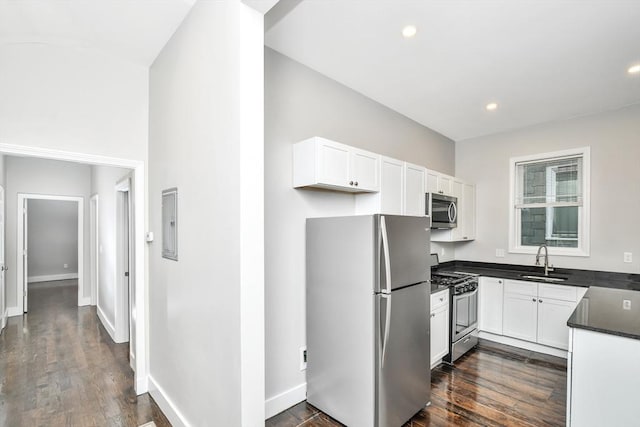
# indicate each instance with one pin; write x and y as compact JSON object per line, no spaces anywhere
{"x":449,"y":214}
{"x":455,"y":212}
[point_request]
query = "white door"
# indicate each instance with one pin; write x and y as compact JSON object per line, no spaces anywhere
{"x":3,"y":268}
{"x":25,"y":275}
{"x":552,"y":322}
{"x":414,"y":190}
{"x":490,"y":304}
{"x":520,"y":316}
{"x":439,"y":334}
{"x":391,"y":186}
{"x":364,"y":170}
{"x":333,"y":164}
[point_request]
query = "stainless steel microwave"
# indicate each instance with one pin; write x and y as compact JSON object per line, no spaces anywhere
{"x":443,"y":210}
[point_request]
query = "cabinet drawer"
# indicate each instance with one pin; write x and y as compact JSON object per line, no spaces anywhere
{"x":521,"y":288}
{"x":440,"y":299}
{"x":559,"y":292}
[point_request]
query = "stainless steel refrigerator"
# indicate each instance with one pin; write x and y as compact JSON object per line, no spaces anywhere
{"x":368,"y":303}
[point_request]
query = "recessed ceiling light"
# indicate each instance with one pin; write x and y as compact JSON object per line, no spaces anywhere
{"x":409,"y":31}
{"x":491,"y":106}
{"x":634,"y":69}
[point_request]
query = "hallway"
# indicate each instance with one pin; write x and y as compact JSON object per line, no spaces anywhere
{"x":59,"y":367}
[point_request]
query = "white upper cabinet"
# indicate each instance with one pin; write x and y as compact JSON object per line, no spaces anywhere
{"x":391,"y":194}
{"x":466,"y":215}
{"x":319,"y":162}
{"x":439,"y":183}
{"x":414,"y":189}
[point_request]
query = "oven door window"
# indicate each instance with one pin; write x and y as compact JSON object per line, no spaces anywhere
{"x":466,"y":314}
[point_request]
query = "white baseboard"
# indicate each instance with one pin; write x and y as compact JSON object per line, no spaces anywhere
{"x":14,"y":311}
{"x":132,"y":360}
{"x":105,"y":322}
{"x":523,"y":344}
{"x":84,"y":301}
{"x":52,"y":277}
{"x":4,"y":319}
{"x":166,"y":405}
{"x":285,"y":400}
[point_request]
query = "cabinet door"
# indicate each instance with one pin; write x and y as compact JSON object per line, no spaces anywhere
{"x":490,"y":304}
{"x":439,"y":334}
{"x":391,"y":188}
{"x":445,"y":185}
{"x":365,"y":170}
{"x":333,"y":164}
{"x":414,"y":189}
{"x":432,"y":181}
{"x":467,"y":212}
{"x":552,"y":322}
{"x":520,"y":316}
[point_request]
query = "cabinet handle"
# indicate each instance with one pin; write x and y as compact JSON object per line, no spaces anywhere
{"x":441,"y":298}
{"x":540,"y":301}
{"x":356,"y":183}
{"x":533,"y":299}
{"x":500,"y":282}
{"x":433,"y":315}
{"x":350,"y":182}
{"x":465,"y":237}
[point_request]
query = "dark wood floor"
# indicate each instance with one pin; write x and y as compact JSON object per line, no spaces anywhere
{"x":59,"y":367}
{"x":495,"y":385}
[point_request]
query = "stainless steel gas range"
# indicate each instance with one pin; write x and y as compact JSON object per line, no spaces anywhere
{"x":463,"y":309}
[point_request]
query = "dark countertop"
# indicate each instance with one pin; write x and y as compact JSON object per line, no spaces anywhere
{"x":605,"y":310}
{"x":582,"y":278}
{"x":600,"y":310}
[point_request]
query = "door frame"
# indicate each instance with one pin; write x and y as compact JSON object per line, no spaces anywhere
{"x":141,"y":382}
{"x":94,"y":245}
{"x":21,"y":280}
{"x":124,"y":298}
{"x":3,"y":262}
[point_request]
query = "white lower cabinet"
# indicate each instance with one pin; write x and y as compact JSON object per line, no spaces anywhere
{"x":538,"y":312}
{"x":520,"y":316}
{"x":490,"y":304}
{"x":439,"y":326}
{"x":552,"y":322}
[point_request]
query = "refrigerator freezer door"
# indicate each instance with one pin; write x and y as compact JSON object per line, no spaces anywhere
{"x":404,"y":255}
{"x":404,"y":375}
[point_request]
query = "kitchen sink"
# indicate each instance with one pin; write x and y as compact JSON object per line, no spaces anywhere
{"x":544,"y":278}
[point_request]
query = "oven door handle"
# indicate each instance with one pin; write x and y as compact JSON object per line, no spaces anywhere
{"x":468,"y":294}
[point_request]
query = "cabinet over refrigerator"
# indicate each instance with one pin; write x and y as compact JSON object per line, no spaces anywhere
{"x":368,"y":305}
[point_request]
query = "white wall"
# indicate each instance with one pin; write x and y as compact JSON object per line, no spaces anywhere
{"x":615,"y":173}
{"x":52,"y":238}
{"x":73,"y":99}
{"x":300,"y":103}
{"x":206,"y":342}
{"x":103,"y":182}
{"x":37,"y":176}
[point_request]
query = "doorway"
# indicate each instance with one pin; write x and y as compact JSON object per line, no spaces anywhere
{"x":94,"y":242}
{"x":22,"y":252}
{"x":3,"y":267}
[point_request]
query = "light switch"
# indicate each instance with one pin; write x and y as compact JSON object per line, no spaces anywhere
{"x":499,"y":253}
{"x":628,"y":257}
{"x":626,"y":304}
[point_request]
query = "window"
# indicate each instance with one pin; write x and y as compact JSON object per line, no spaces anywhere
{"x":550,"y":203}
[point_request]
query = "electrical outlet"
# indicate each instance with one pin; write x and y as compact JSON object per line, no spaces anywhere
{"x":66,"y":265}
{"x":499,"y":253}
{"x":303,"y":357}
{"x":628,"y":257}
{"x":626,"y":304}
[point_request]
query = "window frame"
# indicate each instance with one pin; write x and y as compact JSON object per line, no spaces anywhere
{"x":583,"y":249}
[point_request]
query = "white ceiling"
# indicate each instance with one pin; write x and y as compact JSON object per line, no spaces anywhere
{"x":540,"y":60}
{"x":134,"y":30}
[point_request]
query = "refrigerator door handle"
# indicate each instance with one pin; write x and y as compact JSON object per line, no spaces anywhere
{"x":385,"y":251}
{"x":387,"y":321}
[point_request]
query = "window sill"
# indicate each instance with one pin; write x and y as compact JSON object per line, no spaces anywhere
{"x":576,"y":252}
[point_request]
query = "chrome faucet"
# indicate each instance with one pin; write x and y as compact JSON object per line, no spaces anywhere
{"x":547,"y":267}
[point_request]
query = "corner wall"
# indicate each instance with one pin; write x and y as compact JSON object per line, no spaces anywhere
{"x":206,"y":308}
{"x":615,"y":154}
{"x":301,"y":103}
